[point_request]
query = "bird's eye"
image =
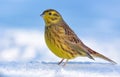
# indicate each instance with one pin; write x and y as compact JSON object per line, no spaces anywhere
{"x":50,"y":13}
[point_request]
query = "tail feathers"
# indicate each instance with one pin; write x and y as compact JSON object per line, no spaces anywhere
{"x":96,"y":54}
{"x":104,"y":57}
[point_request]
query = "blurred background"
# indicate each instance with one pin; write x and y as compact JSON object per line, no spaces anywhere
{"x":96,"y":22}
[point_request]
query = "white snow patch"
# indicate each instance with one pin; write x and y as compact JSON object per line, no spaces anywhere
{"x":51,"y":69}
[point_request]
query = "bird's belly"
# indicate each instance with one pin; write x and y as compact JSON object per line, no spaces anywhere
{"x":58,"y":51}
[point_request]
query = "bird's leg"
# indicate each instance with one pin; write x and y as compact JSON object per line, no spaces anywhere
{"x":65,"y":62}
{"x":60,"y":62}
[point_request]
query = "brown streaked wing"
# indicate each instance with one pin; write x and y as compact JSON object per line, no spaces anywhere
{"x":74,"y":42}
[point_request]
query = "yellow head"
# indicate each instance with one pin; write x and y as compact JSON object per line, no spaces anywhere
{"x":51,"y":16}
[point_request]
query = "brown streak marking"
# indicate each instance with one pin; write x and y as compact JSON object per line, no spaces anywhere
{"x":67,"y":51}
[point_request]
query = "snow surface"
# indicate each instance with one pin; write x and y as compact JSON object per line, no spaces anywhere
{"x":51,"y":69}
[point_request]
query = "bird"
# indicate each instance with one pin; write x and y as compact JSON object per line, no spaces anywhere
{"x":63,"y":41}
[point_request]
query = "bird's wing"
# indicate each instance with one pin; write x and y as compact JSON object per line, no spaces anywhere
{"x":75,"y":43}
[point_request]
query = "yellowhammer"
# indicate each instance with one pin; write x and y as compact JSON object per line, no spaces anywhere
{"x":62,"y":41}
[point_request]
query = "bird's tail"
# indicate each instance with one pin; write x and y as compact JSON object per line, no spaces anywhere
{"x":96,"y":54}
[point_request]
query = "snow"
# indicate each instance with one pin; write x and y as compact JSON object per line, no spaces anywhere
{"x":51,"y":69}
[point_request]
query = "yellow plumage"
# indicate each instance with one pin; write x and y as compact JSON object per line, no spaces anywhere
{"x":62,"y":41}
